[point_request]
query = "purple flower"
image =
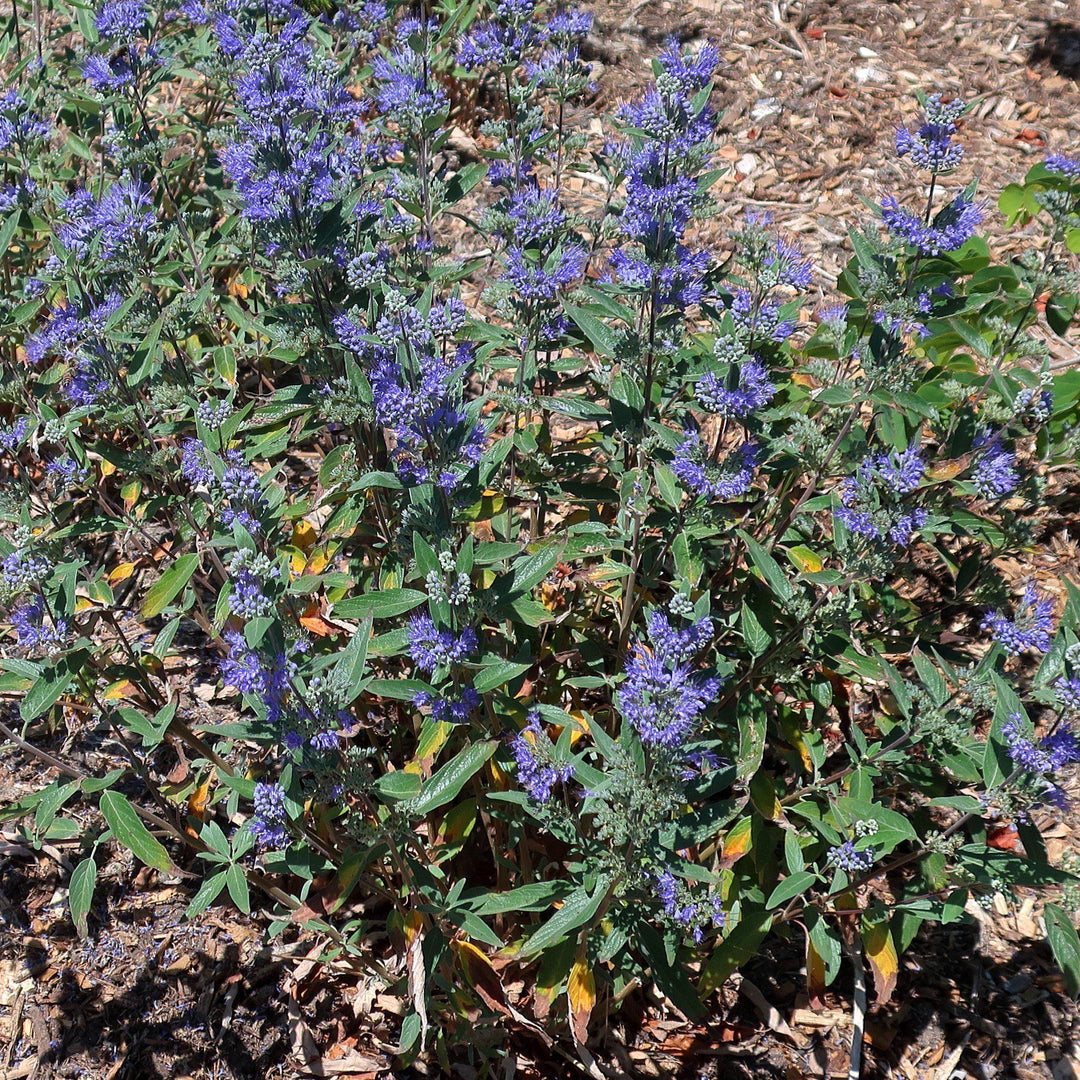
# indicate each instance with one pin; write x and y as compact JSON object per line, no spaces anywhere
{"x":19,"y":124}
{"x":761,"y":319}
{"x":193,"y":464}
{"x":418,"y":403}
{"x":450,"y":709}
{"x":120,"y":221}
{"x":871,"y":497}
{"x":931,"y":146}
{"x":1067,"y":691}
{"x":110,"y":73}
{"x":28,"y":619}
{"x":746,"y":389}
{"x":1046,"y":756}
{"x":268,"y":826}
{"x":1062,"y":165}
{"x":535,"y":215}
{"x":663,"y":696}
{"x":537,"y":770}
{"x":244,"y":668}
{"x":430,"y":647}
{"x":727,"y":479}
{"x":1029,"y":629}
{"x":11,"y":436}
{"x":247,"y":598}
{"x":677,"y":645}
{"x":682,"y":908}
{"x":243,"y":494}
{"x":85,"y":384}
{"x":995,"y":472}
{"x":788,"y":266}
{"x":953,"y":226}
{"x":845,"y":857}
{"x":500,"y":42}
{"x":543,"y":282}
{"x":121,"y":20}
{"x":23,"y":568}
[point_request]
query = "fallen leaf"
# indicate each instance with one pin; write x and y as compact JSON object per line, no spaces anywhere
{"x":581,"y":994}
{"x":881,"y":952}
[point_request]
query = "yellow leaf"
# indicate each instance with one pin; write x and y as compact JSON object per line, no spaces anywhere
{"x":809,"y":562}
{"x":121,"y":572}
{"x":130,"y":494}
{"x":119,"y":690}
{"x":304,"y":535}
{"x":237,"y":288}
{"x":881,"y":952}
{"x":317,"y":563}
{"x":737,"y":842}
{"x":414,"y":923}
{"x":198,"y":799}
{"x":581,"y":994}
{"x":107,"y":467}
{"x":763,"y":796}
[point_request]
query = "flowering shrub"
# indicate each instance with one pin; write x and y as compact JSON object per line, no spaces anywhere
{"x":571,"y":589}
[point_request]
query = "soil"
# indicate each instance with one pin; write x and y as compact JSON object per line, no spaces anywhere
{"x":811,"y":95}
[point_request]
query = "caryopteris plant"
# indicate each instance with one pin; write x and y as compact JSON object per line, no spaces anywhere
{"x":563,"y":587}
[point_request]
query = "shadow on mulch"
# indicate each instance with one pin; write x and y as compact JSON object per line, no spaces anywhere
{"x":1060,"y":48}
{"x":1005,"y":1002}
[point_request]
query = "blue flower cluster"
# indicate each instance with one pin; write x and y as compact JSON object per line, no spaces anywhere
{"x":994,"y":474}
{"x":726,"y":478}
{"x":1049,"y":755}
{"x":669,"y":135}
{"x":268,"y":824}
{"x":686,"y":911}
{"x":238,"y":492}
{"x":930,"y":145}
{"x":664,"y":695}
{"x":416,"y":388}
{"x":300,"y":144}
{"x":436,"y":650}
{"x":31,"y":628}
{"x":538,"y":770}
{"x":845,"y":857}
{"x":119,"y":223}
{"x":953,"y":226}
{"x":1029,"y":629}
{"x":872,"y":506}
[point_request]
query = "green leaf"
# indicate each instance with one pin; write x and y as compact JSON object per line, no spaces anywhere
{"x":50,"y":684}
{"x":379,"y":605}
{"x":670,"y":978}
{"x":578,"y":909}
{"x":395,"y":786}
{"x":503,"y":671}
{"x":735,"y":950}
{"x":750,"y":713}
{"x":131,"y":832}
{"x":207,"y":894}
{"x":1065,"y":943}
{"x":162,"y":592}
{"x":791,"y":887}
{"x":535,"y":897}
{"x":238,"y":888}
{"x":757,"y":638}
{"x":453,"y":776}
{"x":604,"y":340}
{"x":770,"y":569}
{"x":81,"y":893}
